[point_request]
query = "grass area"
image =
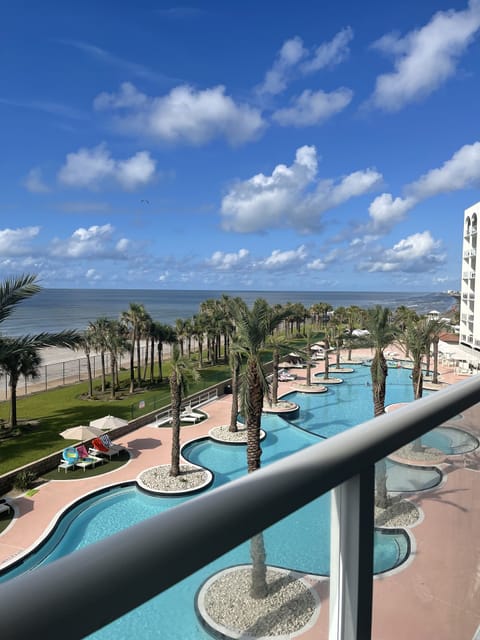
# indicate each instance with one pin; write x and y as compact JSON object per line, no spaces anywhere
{"x":55,"y":410}
{"x":5,"y":519}
{"x":98,"y":470}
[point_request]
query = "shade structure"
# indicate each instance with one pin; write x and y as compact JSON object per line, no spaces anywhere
{"x":284,"y":365}
{"x":81,"y":433}
{"x":108,"y":422}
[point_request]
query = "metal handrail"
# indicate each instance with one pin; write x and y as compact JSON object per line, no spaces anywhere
{"x":130,"y":567}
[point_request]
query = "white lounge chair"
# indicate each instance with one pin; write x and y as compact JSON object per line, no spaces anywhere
{"x":185,"y":416}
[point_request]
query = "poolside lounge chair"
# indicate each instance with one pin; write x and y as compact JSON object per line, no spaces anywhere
{"x":104,"y":446}
{"x":186,"y":416}
{"x":193,"y":412}
{"x":86,"y":459}
{"x":69,"y":457}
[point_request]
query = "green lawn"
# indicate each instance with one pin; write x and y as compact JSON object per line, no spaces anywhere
{"x":55,"y":410}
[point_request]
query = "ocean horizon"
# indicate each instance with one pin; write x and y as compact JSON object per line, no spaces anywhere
{"x":58,"y":309}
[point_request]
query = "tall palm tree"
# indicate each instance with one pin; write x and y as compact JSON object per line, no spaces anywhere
{"x":132,"y":320}
{"x":181,"y":372}
{"x":21,"y":357}
{"x":86,"y":344}
{"x":254,"y":326}
{"x":20,"y":354}
{"x":382,"y":333}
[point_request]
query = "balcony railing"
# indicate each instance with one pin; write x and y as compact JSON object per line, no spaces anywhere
{"x":82,"y":592}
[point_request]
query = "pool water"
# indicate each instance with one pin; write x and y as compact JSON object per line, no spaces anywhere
{"x":320,"y":416}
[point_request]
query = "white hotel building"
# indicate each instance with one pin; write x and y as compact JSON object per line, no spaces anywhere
{"x":470,"y":298}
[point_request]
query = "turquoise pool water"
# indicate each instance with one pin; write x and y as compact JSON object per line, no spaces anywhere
{"x":321,"y":415}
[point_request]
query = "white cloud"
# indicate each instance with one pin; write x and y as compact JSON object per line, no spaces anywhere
{"x":15,"y":242}
{"x":226,"y":261}
{"x":34,"y":182}
{"x":293,"y":52}
{"x":313,"y":107}
{"x":291,"y":196}
{"x":91,"y":168}
{"x":317,"y":265}
{"x":425,"y":58}
{"x":461,"y":171}
{"x":92,"y":275}
{"x":417,"y":253}
{"x":386,"y":212}
{"x":330,"y":53}
{"x":96,"y":241}
{"x":184,"y":115}
{"x":278,"y":260}
{"x":288,"y":57}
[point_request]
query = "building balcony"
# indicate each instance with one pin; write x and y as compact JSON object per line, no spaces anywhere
{"x":433,"y":594}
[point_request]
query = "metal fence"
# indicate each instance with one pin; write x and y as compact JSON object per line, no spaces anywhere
{"x":58,"y":374}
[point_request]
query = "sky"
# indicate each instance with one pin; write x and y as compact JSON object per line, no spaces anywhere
{"x":238,"y":145}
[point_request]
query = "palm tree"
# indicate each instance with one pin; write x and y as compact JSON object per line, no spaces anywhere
{"x":181,"y":372}
{"x":382,"y":333}
{"x":132,"y":320}
{"x":235,"y":361}
{"x":21,"y":357}
{"x":20,"y":354}
{"x":254,"y":326}
{"x":98,"y":334}
{"x":86,"y":344}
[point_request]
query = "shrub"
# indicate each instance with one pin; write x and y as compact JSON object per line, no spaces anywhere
{"x":24,"y":480}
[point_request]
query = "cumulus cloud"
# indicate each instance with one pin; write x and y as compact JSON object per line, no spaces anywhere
{"x":313,"y":107}
{"x":96,"y":241}
{"x":292,"y":196}
{"x":461,"y":171}
{"x":34,"y":182}
{"x":184,"y":115}
{"x":92,"y":168}
{"x":279,"y":260}
{"x":425,"y":58}
{"x":417,"y":253}
{"x":16,"y":242}
{"x":226,"y":261}
{"x":317,"y":265}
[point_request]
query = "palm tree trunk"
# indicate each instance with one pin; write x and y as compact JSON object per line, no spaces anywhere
{"x":160,"y":372}
{"x":276,"y":361}
{"x":89,"y":374}
{"x":152,"y":359}
{"x":176,"y":403}
{"x":13,"y":402}
{"x":234,"y":410}
{"x":102,"y":364}
{"x":253,"y":417}
{"x":113,"y":385}
{"x":435,"y":362}
{"x":258,"y":586}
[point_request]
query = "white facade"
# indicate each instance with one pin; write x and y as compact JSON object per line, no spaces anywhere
{"x":470,"y":298}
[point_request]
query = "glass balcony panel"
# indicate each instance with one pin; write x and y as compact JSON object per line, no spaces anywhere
{"x":435,"y":593}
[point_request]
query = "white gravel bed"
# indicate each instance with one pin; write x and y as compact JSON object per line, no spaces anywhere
{"x":158,"y":479}
{"x":225,"y":604}
{"x":223,"y":434}
{"x":426,"y":454}
{"x":401,"y":513}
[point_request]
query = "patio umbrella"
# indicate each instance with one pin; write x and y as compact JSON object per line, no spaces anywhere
{"x":108,"y":422}
{"x":81,"y":433}
{"x":284,"y":365}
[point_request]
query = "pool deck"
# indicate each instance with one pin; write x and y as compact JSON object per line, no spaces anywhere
{"x":436,"y":594}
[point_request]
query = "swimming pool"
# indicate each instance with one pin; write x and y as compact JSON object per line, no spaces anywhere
{"x":101,"y":516}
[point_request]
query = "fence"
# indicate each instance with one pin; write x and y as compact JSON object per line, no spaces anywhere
{"x":58,"y":374}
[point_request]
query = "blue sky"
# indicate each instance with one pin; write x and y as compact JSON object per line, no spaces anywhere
{"x":253,"y":145}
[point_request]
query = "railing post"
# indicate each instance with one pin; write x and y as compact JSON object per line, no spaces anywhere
{"x":351,"y":558}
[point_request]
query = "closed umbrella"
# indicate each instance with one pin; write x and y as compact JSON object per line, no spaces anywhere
{"x":81,"y":433}
{"x":108,"y":422}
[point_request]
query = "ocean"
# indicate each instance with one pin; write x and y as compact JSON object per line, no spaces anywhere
{"x":58,"y":309}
